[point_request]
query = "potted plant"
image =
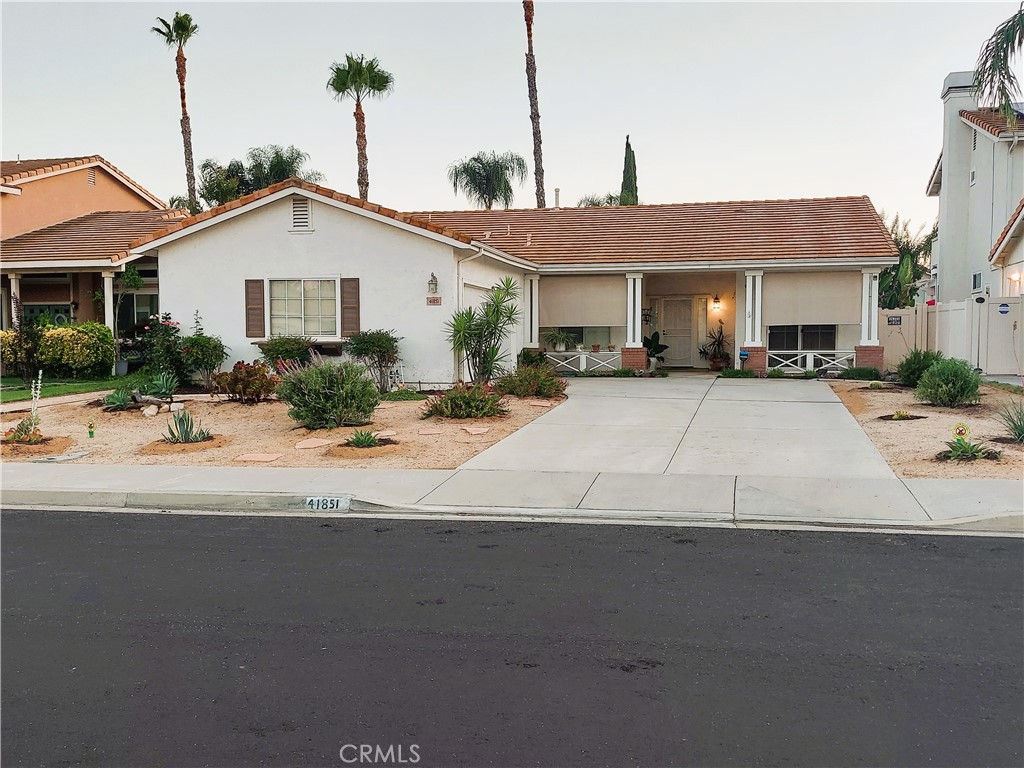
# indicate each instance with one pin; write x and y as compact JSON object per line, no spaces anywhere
{"x":559,"y":340}
{"x":654,"y":349}
{"x":717,"y":349}
{"x":595,"y":347}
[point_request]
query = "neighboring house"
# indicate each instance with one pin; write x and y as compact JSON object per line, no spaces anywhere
{"x":979,"y":180}
{"x":66,"y":224}
{"x":796,"y":281}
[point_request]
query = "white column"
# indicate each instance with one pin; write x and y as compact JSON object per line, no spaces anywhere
{"x":15,"y":294}
{"x":634,"y":303}
{"x":752,"y":326}
{"x":108,"y":300}
{"x":532,"y":312}
{"x":869,"y":308}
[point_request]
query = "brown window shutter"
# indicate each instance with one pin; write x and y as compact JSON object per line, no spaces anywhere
{"x":255,"y":320}
{"x":349,"y":305}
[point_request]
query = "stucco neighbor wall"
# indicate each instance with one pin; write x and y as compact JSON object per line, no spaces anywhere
{"x":206,"y":271}
{"x":64,"y":197}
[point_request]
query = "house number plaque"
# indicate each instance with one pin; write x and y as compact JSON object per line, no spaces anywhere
{"x":433,"y":301}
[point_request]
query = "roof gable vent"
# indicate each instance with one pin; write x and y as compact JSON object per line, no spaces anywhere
{"x":301,"y":220}
{"x":92,"y":177}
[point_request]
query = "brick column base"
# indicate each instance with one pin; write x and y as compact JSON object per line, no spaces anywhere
{"x":869,"y":357}
{"x":757,"y":360}
{"x":635,"y":358}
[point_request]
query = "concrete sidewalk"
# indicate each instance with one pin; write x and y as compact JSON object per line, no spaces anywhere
{"x":990,"y":506}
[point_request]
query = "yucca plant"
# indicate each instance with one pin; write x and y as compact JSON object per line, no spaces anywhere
{"x":181,"y":429}
{"x":362,"y":438}
{"x":1012,"y":417}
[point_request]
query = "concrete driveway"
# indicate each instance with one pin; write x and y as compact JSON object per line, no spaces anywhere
{"x":693,"y":425}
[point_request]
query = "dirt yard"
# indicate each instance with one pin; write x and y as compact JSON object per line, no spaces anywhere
{"x":130,"y":438}
{"x":910,"y":446}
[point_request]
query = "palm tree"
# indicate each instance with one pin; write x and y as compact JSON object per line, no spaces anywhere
{"x":994,"y":78}
{"x":897,"y":285}
{"x":486,"y":177}
{"x":176,"y":34}
{"x":598,"y":201}
{"x":531,"y":87}
{"x":359,"y":79}
{"x":219,"y":184}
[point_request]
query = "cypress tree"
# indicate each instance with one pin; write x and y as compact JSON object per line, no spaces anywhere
{"x":628,"y":195}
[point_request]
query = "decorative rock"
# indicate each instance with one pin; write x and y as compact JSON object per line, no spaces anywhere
{"x":151,"y":410}
{"x":385,"y":433}
{"x":165,"y":409}
{"x":177,"y":407}
{"x":430,"y":431}
{"x":313,"y":442}
{"x":264,"y":458}
{"x":477,"y":430}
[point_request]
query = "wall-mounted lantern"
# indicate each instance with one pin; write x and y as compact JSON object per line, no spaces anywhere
{"x":432,"y":283}
{"x":647,"y":315}
{"x":716,"y":303}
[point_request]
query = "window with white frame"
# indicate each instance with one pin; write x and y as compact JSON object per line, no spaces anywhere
{"x":303,"y":308}
{"x":976,"y":281}
{"x":792,"y":338}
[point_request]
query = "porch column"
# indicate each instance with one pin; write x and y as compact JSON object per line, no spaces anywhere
{"x":634,"y":303}
{"x":532,"y":340}
{"x":752,"y":326}
{"x":869,"y":308}
{"x":15,"y":294}
{"x":108,"y":300}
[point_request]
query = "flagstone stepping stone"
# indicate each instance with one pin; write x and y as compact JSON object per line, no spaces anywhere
{"x":385,"y":433}
{"x":477,"y":430}
{"x":431,"y":431}
{"x":539,"y":403}
{"x":264,"y":458}
{"x":313,"y":442}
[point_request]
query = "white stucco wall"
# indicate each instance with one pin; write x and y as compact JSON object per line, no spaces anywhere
{"x":478,"y":276}
{"x":206,"y":271}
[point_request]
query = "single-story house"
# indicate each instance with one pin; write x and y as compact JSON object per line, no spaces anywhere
{"x":794,"y":282}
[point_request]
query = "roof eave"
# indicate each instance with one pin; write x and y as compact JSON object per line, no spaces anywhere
{"x":732,"y":265}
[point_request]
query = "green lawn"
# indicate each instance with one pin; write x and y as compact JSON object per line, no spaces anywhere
{"x":14,"y":388}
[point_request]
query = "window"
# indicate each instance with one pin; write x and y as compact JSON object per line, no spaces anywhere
{"x":783,"y":337}
{"x":976,"y":281}
{"x":303,"y":307}
{"x":301,"y":214}
{"x":800,"y":337}
{"x":136,"y":309}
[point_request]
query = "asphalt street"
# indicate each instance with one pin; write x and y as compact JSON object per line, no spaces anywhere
{"x":161,"y":640}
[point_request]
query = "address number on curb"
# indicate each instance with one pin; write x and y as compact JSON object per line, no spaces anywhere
{"x":326,"y":503}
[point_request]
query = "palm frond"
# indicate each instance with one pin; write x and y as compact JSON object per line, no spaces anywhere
{"x":359,"y":78}
{"x":178,"y":31}
{"x":995,"y":81}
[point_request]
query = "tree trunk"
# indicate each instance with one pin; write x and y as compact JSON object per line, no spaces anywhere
{"x":531,"y":85}
{"x":186,"y":133}
{"x":363,"y":180}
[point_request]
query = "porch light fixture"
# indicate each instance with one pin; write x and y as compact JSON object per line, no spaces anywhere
{"x":1015,"y":277}
{"x":716,"y":303}
{"x":432,"y":283}
{"x":647,"y":315}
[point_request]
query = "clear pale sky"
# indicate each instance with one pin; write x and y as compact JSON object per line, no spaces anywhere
{"x":723,"y":101}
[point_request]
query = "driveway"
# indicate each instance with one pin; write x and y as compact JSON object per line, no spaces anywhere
{"x":693,"y":425}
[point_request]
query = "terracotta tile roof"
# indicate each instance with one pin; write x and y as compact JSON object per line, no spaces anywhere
{"x":993,"y":121}
{"x":95,"y":236}
{"x":17,"y":171}
{"x":762,"y":230}
{"x":1015,"y":219}
{"x":313,"y":188}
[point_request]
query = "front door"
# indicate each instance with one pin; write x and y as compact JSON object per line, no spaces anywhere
{"x":677,"y":330}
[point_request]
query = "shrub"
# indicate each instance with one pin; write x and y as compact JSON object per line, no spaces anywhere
{"x":328,"y":395}
{"x":737,"y":373}
{"x":876,"y":385}
{"x":477,"y":333}
{"x":84,"y":350}
{"x":295,"y":348}
{"x":203,"y":354}
{"x":20,"y":348}
{"x":963,"y":449}
{"x":530,"y":357}
{"x":181,"y":429}
{"x":625,"y":373}
{"x":1012,"y":417}
{"x":949,"y":383}
{"x":163,"y":385}
{"x":862,"y":374}
{"x":248,"y":384}
{"x":913,"y":366}
{"x":118,"y":400}
{"x":162,"y":345}
{"x":363,"y":438}
{"x":403,"y":394}
{"x":465,"y":402}
{"x":530,"y":381}
{"x":900,"y":416}
{"x":378,"y":351}
{"x":775,"y":373}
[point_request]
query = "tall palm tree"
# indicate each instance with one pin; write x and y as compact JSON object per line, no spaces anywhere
{"x":176,"y":34}
{"x":486,"y":177}
{"x":358,"y":79}
{"x":994,"y":78}
{"x":531,"y":87}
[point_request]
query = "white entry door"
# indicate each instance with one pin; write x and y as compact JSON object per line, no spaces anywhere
{"x":677,"y":330}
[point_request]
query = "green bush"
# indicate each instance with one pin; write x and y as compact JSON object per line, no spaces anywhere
{"x":949,"y":383}
{"x":737,"y":373}
{"x":329,"y":395}
{"x":1012,"y":417}
{"x":862,"y":374}
{"x":362,"y":438}
{"x":465,"y":402}
{"x":530,"y":381}
{"x":378,"y":351}
{"x":913,"y":366}
{"x":624,"y":373}
{"x":161,"y":343}
{"x":204,"y":355}
{"x":775,"y":373}
{"x":297,"y":348}
{"x":248,"y":384}
{"x":84,"y":350}
{"x":403,"y":394}
{"x":531,"y":357}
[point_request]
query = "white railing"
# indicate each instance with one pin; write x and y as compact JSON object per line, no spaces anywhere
{"x":574,"y":362}
{"x":797,"y":360}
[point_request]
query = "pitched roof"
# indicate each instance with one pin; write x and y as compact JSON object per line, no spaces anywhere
{"x":103,"y":236}
{"x":14,"y":172}
{"x":760,"y":230}
{"x":993,"y":121}
{"x":1005,"y":236}
{"x":306,"y":186}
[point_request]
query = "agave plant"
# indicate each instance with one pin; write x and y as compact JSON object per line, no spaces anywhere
{"x":181,"y":429}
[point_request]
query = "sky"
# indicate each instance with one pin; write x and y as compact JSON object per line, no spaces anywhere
{"x":722,"y":101}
